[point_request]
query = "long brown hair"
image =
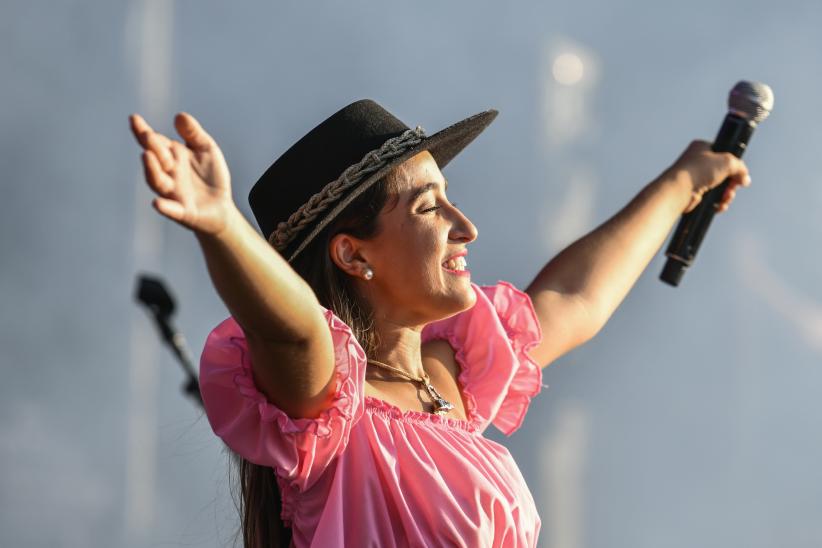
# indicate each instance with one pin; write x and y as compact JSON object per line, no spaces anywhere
{"x":259,"y":497}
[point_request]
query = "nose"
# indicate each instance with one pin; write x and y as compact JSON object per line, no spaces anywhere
{"x":462,"y":229}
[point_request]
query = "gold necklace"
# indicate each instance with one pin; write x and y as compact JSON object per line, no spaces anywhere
{"x":441,"y":405}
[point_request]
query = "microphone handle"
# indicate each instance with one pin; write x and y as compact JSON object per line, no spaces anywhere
{"x":733,"y":137}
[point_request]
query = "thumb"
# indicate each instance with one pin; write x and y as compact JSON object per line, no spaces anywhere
{"x":192,"y":132}
{"x":731,"y":167}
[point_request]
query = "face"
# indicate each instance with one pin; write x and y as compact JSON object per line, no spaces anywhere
{"x":419,"y":254}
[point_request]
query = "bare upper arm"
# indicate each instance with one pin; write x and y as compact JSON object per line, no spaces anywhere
{"x":295,"y":375}
{"x":566,"y":322}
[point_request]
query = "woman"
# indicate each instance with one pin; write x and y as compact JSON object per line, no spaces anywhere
{"x":360,"y":365}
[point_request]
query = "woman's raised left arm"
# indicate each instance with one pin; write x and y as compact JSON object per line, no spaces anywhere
{"x":576,"y":293}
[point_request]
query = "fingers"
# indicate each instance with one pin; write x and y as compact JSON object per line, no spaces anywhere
{"x":192,"y":132}
{"x":734,"y":169}
{"x":180,"y":155}
{"x":727,"y":197}
{"x":708,"y":169}
{"x":159,"y":181}
{"x":728,"y":167}
{"x":730,"y":192}
{"x":166,"y":202}
{"x":160,"y":146}
{"x":149,"y":139}
{"x":139,"y":128}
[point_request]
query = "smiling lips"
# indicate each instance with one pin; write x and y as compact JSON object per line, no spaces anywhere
{"x":457,"y":264}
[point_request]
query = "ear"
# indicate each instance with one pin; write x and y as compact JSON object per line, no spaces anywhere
{"x":346,"y":252}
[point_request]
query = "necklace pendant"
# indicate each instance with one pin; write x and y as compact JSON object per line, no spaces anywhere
{"x":441,"y":405}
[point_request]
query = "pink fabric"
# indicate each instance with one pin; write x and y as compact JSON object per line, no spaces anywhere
{"x":365,"y":473}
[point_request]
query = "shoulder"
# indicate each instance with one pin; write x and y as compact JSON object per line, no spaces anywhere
{"x":491,"y":342}
{"x":500,"y":309}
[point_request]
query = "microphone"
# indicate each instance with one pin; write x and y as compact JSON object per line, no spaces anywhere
{"x":748,"y":104}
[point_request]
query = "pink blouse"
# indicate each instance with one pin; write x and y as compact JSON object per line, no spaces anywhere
{"x":365,"y":473}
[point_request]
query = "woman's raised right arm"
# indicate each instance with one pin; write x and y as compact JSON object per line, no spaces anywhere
{"x":288,"y":337}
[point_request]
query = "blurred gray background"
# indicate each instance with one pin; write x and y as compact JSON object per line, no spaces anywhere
{"x":693,"y":419}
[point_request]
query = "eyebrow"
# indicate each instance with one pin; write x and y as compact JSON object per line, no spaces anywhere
{"x":423,"y":189}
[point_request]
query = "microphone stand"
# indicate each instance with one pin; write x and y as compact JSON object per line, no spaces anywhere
{"x":152,"y":293}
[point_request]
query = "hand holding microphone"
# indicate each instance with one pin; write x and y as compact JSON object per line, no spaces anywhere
{"x":703,"y":170}
{"x":749,"y":103}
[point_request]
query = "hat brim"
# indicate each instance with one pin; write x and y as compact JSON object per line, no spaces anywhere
{"x":443,"y":146}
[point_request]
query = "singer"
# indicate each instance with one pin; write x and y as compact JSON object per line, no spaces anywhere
{"x":360,"y":366}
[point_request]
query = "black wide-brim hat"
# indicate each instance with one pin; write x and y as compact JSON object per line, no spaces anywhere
{"x":307,"y":187}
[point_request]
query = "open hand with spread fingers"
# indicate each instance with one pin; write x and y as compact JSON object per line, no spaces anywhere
{"x":191,"y":180}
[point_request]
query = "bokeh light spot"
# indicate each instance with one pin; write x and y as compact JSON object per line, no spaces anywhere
{"x":568,"y":69}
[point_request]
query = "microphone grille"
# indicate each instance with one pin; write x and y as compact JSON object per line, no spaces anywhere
{"x":751,"y":100}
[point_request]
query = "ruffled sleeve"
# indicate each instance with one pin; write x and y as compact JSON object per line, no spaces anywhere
{"x":491,"y":342}
{"x":298,"y":449}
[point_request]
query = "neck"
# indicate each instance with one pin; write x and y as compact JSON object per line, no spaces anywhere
{"x":399,"y":346}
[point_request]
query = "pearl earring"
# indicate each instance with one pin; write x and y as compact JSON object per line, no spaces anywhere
{"x":368,"y":274}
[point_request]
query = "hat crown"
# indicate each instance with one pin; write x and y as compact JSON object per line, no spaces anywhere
{"x":319,"y":158}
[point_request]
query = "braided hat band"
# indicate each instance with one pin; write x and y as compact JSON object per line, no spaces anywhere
{"x":331,"y":194}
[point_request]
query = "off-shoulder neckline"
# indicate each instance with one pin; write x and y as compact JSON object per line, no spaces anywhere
{"x":382,"y":407}
{"x":471,"y":422}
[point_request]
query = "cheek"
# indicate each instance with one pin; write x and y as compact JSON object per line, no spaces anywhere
{"x":420,"y":243}
{"x":417,"y":249}
{"x":420,"y":266}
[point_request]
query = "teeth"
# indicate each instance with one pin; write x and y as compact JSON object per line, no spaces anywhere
{"x":456,"y":264}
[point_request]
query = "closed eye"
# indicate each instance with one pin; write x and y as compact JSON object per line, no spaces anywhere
{"x":434,"y":208}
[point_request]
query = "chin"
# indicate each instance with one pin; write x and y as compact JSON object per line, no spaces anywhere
{"x":458,"y":302}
